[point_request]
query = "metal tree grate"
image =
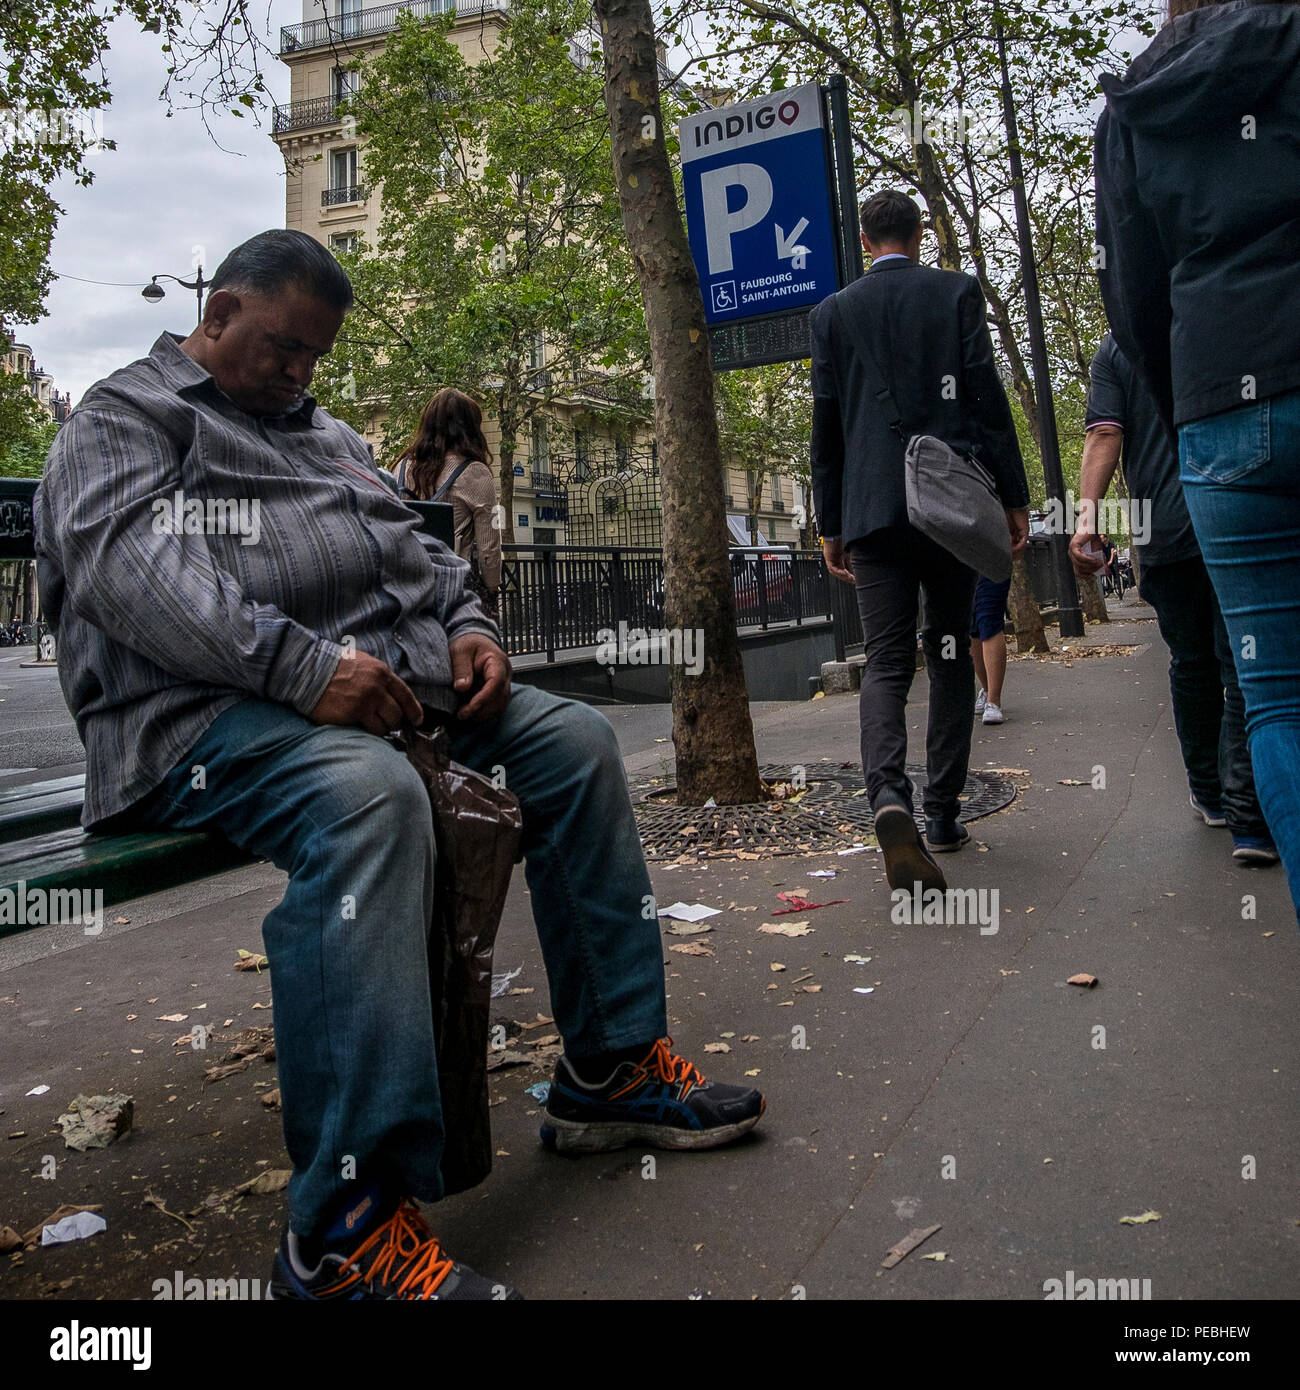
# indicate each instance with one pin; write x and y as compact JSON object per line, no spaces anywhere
{"x":833,"y":813}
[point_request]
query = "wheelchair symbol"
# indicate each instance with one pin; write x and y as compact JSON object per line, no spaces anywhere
{"x":724,"y":296}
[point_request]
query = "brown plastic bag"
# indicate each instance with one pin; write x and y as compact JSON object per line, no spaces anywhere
{"x":477,"y":828}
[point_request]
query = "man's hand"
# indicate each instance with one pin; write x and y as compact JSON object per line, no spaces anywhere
{"x":479,"y":665}
{"x":364,"y":691}
{"x":1085,"y":550}
{"x":1018,"y":526}
{"x":833,"y":552}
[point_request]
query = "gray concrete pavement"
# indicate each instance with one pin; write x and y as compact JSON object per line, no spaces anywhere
{"x":971,"y":1088}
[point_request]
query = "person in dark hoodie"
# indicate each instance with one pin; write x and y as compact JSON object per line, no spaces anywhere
{"x":1198,"y":230}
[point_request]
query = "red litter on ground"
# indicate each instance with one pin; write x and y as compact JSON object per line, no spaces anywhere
{"x":798,"y":904}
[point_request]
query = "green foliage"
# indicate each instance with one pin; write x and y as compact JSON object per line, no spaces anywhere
{"x":765,"y":417}
{"x":500,"y":226}
{"x":51,"y":55}
{"x":29,"y":436}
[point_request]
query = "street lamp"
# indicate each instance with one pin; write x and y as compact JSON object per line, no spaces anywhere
{"x":153,"y":291}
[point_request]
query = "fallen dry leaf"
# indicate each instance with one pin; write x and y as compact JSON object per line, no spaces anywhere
{"x":272,"y":1099}
{"x":272,"y":1180}
{"x":786,"y":928}
{"x":691,"y":948}
{"x":811,"y":989}
{"x":1139,"y":1220}
{"x":750,"y":1037}
{"x":753,"y":1071}
{"x":1087,"y":981}
{"x":687,"y":928}
{"x":220,"y":1073}
{"x":717,"y":1047}
{"x":250,"y":960}
{"x":172,"y":1018}
{"x":776,"y":966}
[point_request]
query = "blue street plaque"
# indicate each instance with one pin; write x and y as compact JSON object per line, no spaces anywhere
{"x":758,"y":205}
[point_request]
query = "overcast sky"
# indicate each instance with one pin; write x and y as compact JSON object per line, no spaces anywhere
{"x":166,"y":189}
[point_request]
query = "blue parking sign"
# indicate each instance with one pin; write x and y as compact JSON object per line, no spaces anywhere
{"x":758,"y":205}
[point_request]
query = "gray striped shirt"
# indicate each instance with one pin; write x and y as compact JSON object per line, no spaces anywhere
{"x":192,"y":555}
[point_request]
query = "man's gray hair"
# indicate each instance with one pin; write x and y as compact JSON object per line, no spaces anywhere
{"x":273,"y":261}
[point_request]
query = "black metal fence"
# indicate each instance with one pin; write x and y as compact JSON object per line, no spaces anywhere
{"x":559,"y":597}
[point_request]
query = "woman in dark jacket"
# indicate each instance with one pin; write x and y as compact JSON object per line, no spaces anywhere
{"x":448,"y":460}
{"x":1198,"y":231}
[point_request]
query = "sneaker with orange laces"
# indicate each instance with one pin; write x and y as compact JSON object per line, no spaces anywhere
{"x":369,"y":1254}
{"x":661,"y":1100}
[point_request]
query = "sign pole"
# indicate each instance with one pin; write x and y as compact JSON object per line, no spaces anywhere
{"x":836,"y":94}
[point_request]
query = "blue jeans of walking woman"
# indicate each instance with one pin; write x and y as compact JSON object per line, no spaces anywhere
{"x":348,"y":818}
{"x":1241,"y":477}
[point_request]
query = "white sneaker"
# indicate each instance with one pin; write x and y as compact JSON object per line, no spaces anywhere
{"x":992,"y":714}
{"x":981,"y":700}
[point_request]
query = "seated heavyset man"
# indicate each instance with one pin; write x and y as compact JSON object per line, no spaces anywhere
{"x":207,"y":678}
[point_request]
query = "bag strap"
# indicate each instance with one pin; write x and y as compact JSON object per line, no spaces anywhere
{"x":875,"y":381}
{"x":437,"y":496}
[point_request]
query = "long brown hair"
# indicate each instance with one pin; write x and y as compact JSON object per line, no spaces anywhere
{"x":452,"y":423}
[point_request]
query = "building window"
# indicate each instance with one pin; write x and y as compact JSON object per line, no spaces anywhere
{"x":446,"y":172}
{"x":541,"y":448}
{"x":581,"y":454}
{"x":620,"y":453}
{"x":522,"y":519}
{"x":343,"y":84}
{"x":349,"y":18}
{"x":344,"y":243}
{"x":544,"y":535}
{"x":343,"y":173}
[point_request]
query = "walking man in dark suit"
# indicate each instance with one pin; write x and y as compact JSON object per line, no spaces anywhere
{"x":926,"y":332}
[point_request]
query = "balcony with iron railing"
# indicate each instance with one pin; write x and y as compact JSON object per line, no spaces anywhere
{"x":300,"y":115}
{"x":349,"y":193}
{"x":545,"y":484}
{"x":362,"y":25}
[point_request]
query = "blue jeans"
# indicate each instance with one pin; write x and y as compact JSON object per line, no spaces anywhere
{"x":1241,"y":477}
{"x":348,"y":818}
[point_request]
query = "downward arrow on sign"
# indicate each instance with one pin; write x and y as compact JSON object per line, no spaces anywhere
{"x":787,"y":246}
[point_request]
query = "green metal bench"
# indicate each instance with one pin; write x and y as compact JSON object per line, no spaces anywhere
{"x":42,"y":845}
